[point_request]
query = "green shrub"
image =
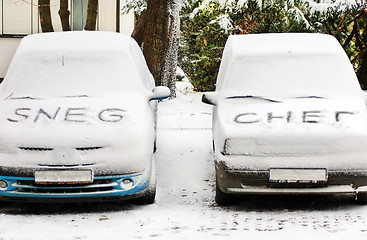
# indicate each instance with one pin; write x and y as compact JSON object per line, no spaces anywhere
{"x":202,"y":45}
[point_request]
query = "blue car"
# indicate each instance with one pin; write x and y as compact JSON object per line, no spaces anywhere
{"x":78,"y":115}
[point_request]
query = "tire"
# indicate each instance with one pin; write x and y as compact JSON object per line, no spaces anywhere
{"x":361,"y":198}
{"x":222,"y":198}
{"x":4,"y":204}
{"x":150,"y":193}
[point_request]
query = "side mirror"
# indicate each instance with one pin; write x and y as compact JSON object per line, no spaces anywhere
{"x":160,"y":93}
{"x":210,"y":98}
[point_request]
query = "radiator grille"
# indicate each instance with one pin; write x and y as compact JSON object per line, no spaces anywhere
{"x":66,"y":165}
{"x":48,"y":149}
{"x":36,"y":149}
{"x":98,"y":185}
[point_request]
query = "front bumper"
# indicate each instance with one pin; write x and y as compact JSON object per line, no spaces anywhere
{"x":258,"y":182}
{"x":103,"y":188}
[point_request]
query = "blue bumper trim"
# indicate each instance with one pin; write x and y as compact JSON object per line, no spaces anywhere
{"x":102,"y":186}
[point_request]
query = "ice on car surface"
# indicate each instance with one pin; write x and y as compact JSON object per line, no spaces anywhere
{"x":83,"y":102}
{"x":290,"y":102}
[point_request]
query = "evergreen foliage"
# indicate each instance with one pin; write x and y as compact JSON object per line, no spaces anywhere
{"x":202,"y":45}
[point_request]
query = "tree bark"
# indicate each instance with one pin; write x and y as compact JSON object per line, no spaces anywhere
{"x":45,"y":15}
{"x":153,"y":44}
{"x":139,"y":29}
{"x":169,"y":63}
{"x":64,"y":14}
{"x":92,"y":13}
{"x":160,"y":40}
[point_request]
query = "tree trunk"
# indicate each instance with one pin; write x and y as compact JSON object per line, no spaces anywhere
{"x":139,"y":29}
{"x":155,"y":30}
{"x":45,"y":15}
{"x":169,"y":62}
{"x":92,"y":13}
{"x":160,"y":41}
{"x":64,"y":14}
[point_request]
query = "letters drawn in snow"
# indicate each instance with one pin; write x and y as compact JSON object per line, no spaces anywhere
{"x":316,"y":116}
{"x":69,"y":115}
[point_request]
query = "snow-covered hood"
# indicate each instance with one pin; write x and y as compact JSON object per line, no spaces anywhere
{"x":104,"y":132}
{"x":306,"y":126}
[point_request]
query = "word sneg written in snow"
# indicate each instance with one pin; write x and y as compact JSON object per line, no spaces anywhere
{"x":71,"y":115}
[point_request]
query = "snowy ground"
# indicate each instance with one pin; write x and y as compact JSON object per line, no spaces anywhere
{"x":185,"y":207}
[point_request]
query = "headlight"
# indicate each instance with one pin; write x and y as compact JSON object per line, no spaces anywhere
{"x":238,"y":147}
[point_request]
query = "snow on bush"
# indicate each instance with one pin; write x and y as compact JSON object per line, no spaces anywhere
{"x":224,"y":22}
{"x":138,"y":6}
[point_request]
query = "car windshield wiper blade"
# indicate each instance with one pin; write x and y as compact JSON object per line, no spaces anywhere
{"x":77,"y":96}
{"x":254,"y":97}
{"x":312,"y":96}
{"x":10,"y":97}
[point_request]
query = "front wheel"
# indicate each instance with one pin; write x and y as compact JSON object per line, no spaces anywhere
{"x":4,"y":204}
{"x":361,"y":198}
{"x":222,"y":198}
{"x":150,"y":193}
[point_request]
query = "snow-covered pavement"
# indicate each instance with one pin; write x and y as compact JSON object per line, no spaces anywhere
{"x":185,"y":207}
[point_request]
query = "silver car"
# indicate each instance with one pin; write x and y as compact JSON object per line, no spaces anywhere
{"x":289,"y":117}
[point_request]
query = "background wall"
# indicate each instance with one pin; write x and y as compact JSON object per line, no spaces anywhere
{"x":8,"y":47}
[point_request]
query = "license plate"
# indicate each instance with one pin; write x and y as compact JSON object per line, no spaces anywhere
{"x":298,"y":175}
{"x":63,"y":176}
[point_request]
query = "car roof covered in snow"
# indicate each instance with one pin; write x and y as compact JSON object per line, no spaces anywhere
{"x":76,"y":41}
{"x":285,"y":65}
{"x":283,"y":44}
{"x":79,"y":62}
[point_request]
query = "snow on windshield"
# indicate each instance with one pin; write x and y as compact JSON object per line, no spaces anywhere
{"x":75,"y":63}
{"x":287,"y":77}
{"x":286,"y":69}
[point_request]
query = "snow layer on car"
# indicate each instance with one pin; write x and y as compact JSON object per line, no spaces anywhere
{"x":302,"y":64}
{"x":85,"y":95}
{"x":289,"y":100}
{"x":76,"y":63}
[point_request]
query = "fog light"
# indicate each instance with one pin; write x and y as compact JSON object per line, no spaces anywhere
{"x":3,"y":185}
{"x":126,"y":184}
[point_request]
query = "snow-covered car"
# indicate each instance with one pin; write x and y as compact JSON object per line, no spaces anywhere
{"x":78,"y":115}
{"x":289,"y":117}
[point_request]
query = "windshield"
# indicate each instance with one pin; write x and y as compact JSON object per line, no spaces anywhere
{"x":286,"y":77}
{"x":70,"y":74}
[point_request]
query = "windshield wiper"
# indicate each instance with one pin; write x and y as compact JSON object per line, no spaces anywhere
{"x":77,"y":96}
{"x":317,"y":97}
{"x":10,"y":97}
{"x":254,"y":97}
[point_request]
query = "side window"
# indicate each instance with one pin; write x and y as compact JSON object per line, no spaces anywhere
{"x":79,"y":14}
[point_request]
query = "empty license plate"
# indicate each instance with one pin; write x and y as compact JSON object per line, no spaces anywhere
{"x":63,"y":176}
{"x":298,"y":175}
